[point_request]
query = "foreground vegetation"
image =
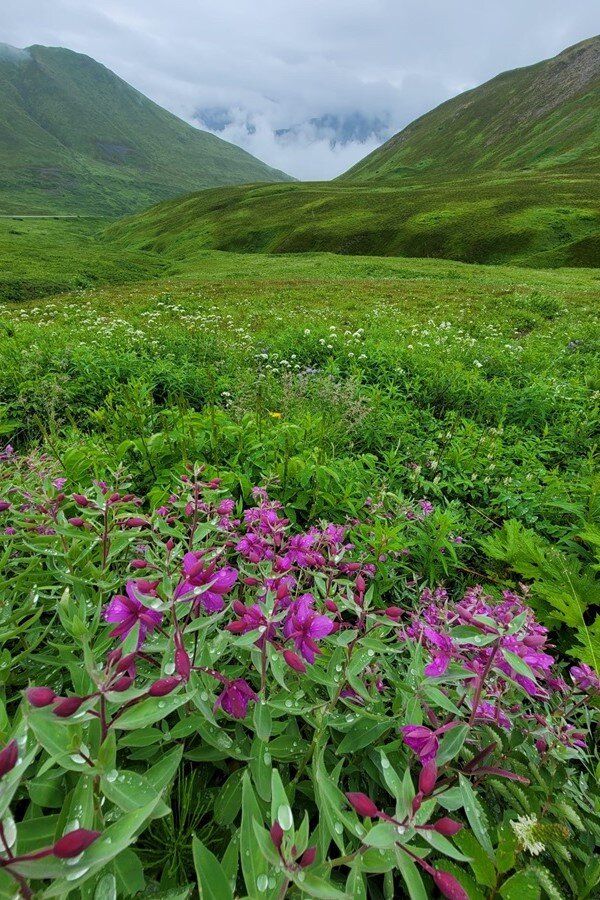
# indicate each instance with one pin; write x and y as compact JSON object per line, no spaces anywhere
{"x":300,"y":564}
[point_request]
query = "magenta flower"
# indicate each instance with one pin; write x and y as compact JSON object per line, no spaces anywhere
{"x":442,"y":649}
{"x":585,"y":678}
{"x":422,"y":740}
{"x":305,"y":626}
{"x":235,"y":697}
{"x":199,"y":574}
{"x":127,"y":611}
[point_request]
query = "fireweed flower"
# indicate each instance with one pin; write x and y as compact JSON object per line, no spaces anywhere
{"x":305,"y":626}
{"x":127,"y":610}
{"x":198,"y":573}
{"x":585,"y":678}
{"x":235,"y":697}
{"x":423,"y":741}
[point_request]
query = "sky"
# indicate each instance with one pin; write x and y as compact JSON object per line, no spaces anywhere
{"x":309,"y":86}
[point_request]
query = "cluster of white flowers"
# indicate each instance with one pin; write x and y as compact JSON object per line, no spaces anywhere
{"x":525,"y":828}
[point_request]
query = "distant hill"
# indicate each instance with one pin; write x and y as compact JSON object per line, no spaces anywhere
{"x":542,"y":118}
{"x":75,"y":138}
{"x":506,"y":173}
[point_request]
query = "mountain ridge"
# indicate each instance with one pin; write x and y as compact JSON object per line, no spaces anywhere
{"x":75,"y":137}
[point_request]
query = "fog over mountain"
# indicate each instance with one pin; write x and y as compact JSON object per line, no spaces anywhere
{"x":309,"y":87}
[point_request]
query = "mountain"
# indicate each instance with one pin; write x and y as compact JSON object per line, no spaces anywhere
{"x":76,"y":138}
{"x":544,"y":118}
{"x":506,"y":173}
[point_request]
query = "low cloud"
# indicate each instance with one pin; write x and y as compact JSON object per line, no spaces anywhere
{"x":310,"y":87}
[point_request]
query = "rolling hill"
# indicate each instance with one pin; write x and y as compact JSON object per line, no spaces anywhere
{"x":506,"y":173}
{"x":75,"y":138}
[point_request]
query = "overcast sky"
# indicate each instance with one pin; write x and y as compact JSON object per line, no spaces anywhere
{"x":310,"y":86}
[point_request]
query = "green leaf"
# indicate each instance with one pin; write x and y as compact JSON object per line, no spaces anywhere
{"x":212,"y":881}
{"x":229,"y":799}
{"x":149,"y":711}
{"x":411,"y":875}
{"x":521,"y":886}
{"x":451,"y":744}
{"x":317,"y":887}
{"x":262,"y":720}
{"x":362,"y":735}
{"x":516,"y":663}
{"x":129,"y":873}
{"x":254,"y":865}
{"x":476,"y":816}
{"x":384,"y":836}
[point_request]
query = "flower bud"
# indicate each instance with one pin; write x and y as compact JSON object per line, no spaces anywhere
{"x":360,"y":584}
{"x":308,"y":857}
{"x":170,"y":544}
{"x":74,"y":843}
{"x":276,"y":834}
{"x":134,"y":522}
{"x":80,"y":500}
{"x":40,"y":696}
{"x":125,"y":662}
{"x":428,"y":777}
{"x":183,"y":665}
{"x":447,"y":827}
{"x":331,"y":606}
{"x":122,"y":684}
{"x":393,"y":612}
{"x":8,"y":758}
{"x":416,"y":802}
{"x":363,"y":805}
{"x":138,"y":564}
{"x":294,"y":661}
{"x":68,"y":706}
{"x":449,"y":886}
{"x":76,"y":521}
{"x":163,"y":686}
{"x":4,"y":505}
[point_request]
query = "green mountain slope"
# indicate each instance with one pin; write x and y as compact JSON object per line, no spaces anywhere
{"x":75,"y":138}
{"x":544,"y":117}
{"x":508,"y":173}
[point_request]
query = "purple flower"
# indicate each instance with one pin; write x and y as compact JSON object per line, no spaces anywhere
{"x":198,"y":574}
{"x":490,"y":713}
{"x":305,"y":626}
{"x":59,"y":483}
{"x":422,"y":740}
{"x":442,"y":651}
{"x":127,"y":611}
{"x":585,"y":678}
{"x":235,"y":697}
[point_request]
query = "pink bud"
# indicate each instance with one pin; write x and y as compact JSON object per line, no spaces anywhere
{"x":363,"y":805}
{"x":238,"y":608}
{"x":138,"y":564}
{"x":134,"y":522}
{"x":74,"y":843}
{"x":76,"y":521}
{"x":294,"y":661}
{"x":170,"y":544}
{"x":541,"y":746}
{"x":276,"y":834}
{"x":8,"y":758}
{"x":282,"y":590}
{"x":447,"y":827}
{"x":308,"y":857}
{"x":250,"y":581}
{"x":80,"y":500}
{"x":331,"y":606}
{"x":360,"y":584}
{"x":183,"y":665}
{"x":417,"y":801}
{"x":114,"y":498}
{"x":449,"y":886}
{"x":67,"y":707}
{"x":428,"y":777}
{"x":125,"y":662}
{"x":4,"y":505}
{"x":122,"y":684}
{"x":163,"y":686}
{"x":40,"y":696}
{"x":393,"y":612}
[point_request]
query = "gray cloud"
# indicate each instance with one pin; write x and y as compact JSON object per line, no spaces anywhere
{"x":310,"y":86}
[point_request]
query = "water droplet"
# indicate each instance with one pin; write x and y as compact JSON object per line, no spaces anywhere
{"x":111,"y":776}
{"x":262,"y":883}
{"x":284,"y":817}
{"x":289,"y":704}
{"x":77,"y":873}
{"x":401,"y":829}
{"x":74,"y":859}
{"x":204,"y":696}
{"x":339,"y":828}
{"x":385,"y":763}
{"x":169,"y":668}
{"x":267,"y":759}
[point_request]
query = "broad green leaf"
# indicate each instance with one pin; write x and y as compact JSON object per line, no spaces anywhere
{"x":411,"y":875}
{"x":149,"y":711}
{"x":212,"y":882}
{"x":254,"y":865}
{"x":451,"y":744}
{"x":521,"y":886}
{"x":476,"y":816}
{"x":362,"y":735}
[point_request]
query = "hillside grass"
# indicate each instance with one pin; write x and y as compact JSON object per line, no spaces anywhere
{"x":543,"y":220}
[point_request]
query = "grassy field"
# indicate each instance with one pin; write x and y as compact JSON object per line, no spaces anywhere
{"x":421,"y":427}
{"x":539,"y":220}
